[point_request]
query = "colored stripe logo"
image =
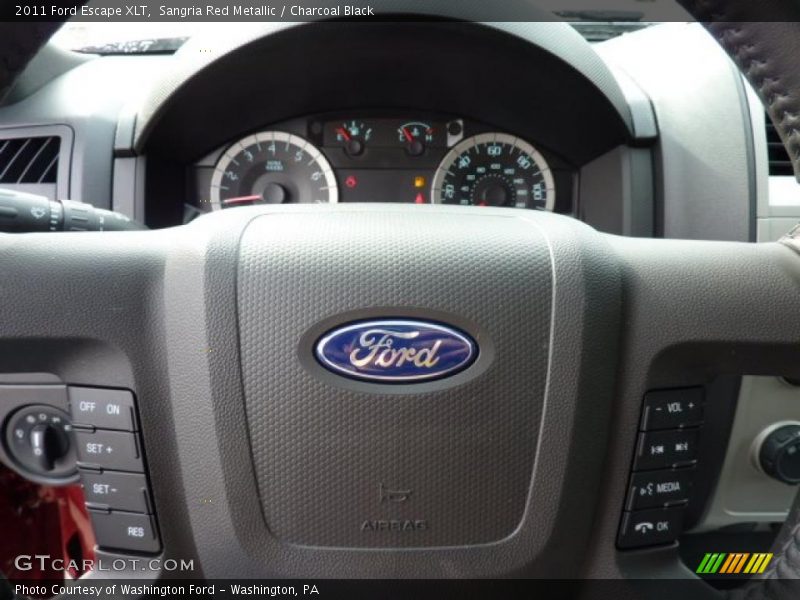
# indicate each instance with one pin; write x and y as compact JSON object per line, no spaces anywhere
{"x":734,"y":563}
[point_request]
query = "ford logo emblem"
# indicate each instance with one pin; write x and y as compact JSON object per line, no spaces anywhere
{"x":396,"y":350}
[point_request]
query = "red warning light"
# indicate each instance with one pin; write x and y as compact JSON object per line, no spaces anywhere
{"x":351,"y":181}
{"x":420,"y":199}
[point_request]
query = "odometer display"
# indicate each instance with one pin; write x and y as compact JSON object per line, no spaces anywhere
{"x":494,"y":169}
{"x":272,"y":167}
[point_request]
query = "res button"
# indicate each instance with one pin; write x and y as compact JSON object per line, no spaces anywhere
{"x":102,"y":408}
{"x":125,"y":531}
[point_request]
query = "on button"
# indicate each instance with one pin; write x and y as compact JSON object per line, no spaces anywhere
{"x":102,"y":408}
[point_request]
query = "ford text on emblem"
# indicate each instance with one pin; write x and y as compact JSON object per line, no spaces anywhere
{"x":396,"y":350}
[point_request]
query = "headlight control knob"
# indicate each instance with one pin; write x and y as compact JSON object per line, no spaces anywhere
{"x":39,"y":440}
{"x":777,"y":452}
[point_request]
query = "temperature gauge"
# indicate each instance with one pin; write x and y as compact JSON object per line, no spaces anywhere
{"x":415,"y":135}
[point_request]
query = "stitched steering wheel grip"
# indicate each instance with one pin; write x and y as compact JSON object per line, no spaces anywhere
{"x":763,"y":38}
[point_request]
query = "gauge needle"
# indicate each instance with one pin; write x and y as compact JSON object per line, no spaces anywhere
{"x":408,"y":135}
{"x":343,"y":132}
{"x":241,"y":199}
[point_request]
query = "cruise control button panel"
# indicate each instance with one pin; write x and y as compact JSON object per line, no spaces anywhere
{"x":116,"y":491}
{"x":650,"y":527}
{"x":112,"y":469}
{"x":116,"y":450}
{"x":125,"y":531}
{"x":102,"y":408}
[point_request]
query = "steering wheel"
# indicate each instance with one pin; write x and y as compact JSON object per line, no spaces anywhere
{"x":219,"y":327}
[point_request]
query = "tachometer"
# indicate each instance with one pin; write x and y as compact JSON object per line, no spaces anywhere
{"x":272,"y":167}
{"x":494,"y":169}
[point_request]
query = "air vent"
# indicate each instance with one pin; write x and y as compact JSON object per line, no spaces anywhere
{"x":29,"y":160}
{"x":779,"y":162}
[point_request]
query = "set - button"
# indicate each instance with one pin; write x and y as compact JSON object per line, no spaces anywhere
{"x":120,"y":491}
{"x":112,"y":468}
{"x":663,"y":467}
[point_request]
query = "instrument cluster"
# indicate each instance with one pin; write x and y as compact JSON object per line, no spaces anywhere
{"x":411,"y":159}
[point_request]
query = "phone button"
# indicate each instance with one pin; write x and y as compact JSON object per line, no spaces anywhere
{"x":641,"y":528}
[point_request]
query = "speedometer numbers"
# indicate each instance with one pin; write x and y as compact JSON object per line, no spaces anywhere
{"x":272,"y":167}
{"x":494,"y":169}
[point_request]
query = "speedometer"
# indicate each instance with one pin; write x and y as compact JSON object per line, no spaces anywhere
{"x":494,"y":169}
{"x":272,"y":167}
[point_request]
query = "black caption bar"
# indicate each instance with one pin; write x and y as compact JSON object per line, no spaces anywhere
{"x":312,"y":10}
{"x":246,"y":10}
{"x":373,"y":589}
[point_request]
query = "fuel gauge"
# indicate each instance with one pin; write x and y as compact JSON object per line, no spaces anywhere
{"x":353,"y":135}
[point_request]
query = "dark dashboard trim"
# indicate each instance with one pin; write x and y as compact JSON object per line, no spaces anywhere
{"x":517,"y":64}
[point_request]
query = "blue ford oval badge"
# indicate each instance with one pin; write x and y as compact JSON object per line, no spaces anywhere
{"x":396,"y":350}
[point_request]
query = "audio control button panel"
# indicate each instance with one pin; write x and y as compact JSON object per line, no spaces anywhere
{"x":663,"y":467}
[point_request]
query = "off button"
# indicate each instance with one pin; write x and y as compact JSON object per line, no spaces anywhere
{"x":102,"y":408}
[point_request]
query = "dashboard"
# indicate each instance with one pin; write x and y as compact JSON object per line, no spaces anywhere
{"x":372,"y":157}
